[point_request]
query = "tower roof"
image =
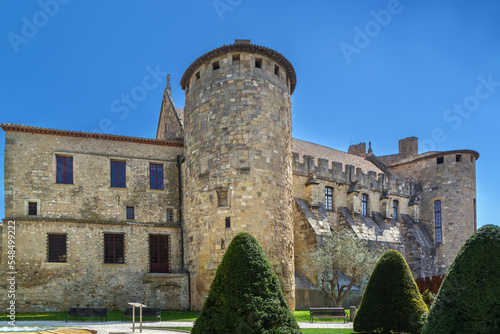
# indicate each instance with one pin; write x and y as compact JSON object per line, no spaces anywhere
{"x":242,"y":45}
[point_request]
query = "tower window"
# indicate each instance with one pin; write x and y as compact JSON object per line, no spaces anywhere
{"x":215,"y":65}
{"x":198,"y":75}
{"x":222,"y":244}
{"x":438,"y":222}
{"x":328,"y":198}
{"x":236,"y":58}
{"x":130,"y":212}
{"x":156,"y":176}
{"x":170,"y":215}
{"x":277,"y":70}
{"x":471,"y":158}
{"x":118,"y":174}
{"x":228,"y":222}
{"x":57,"y":247}
{"x":364,"y":204}
{"x":440,"y":160}
{"x":258,"y":62}
{"x":32,"y":208}
{"x":458,"y":158}
{"x":395,"y":207}
{"x":114,"y":248}
{"x":222,"y":197}
{"x":64,"y":170}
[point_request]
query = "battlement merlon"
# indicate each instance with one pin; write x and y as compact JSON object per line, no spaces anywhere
{"x":347,"y":174}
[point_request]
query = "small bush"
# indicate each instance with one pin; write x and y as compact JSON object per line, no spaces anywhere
{"x":391,"y":300}
{"x":245,"y":295}
{"x":469,"y":298}
{"x":427,"y":297}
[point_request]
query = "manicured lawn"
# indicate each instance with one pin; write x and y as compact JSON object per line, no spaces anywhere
{"x":112,"y":316}
{"x":326,"y":330}
{"x":300,"y":316}
{"x":304,"y":331}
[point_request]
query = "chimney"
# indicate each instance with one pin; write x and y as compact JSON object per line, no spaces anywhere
{"x":359,"y":150}
{"x":408,"y":147}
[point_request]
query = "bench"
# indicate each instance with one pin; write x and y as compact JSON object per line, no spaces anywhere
{"x":327,"y":312}
{"x":87,"y":312}
{"x":147,"y":312}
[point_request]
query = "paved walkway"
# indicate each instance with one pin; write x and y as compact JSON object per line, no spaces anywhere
{"x":126,"y":327}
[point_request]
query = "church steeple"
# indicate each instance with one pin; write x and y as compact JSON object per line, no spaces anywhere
{"x":168,"y":88}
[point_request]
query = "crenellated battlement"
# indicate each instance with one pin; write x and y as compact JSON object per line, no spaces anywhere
{"x":347,"y":174}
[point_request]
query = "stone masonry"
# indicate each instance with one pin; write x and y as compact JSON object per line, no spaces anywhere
{"x":238,"y":160}
{"x":228,"y":164}
{"x":84,"y":211}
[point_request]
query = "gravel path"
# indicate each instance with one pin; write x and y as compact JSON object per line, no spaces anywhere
{"x":121,"y":327}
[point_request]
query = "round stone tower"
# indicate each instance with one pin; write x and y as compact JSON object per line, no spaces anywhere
{"x":238,"y":150}
{"x":448,"y":201}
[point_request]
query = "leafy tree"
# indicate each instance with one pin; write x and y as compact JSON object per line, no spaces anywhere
{"x":340,"y":253}
{"x":391,"y":300}
{"x":245,"y":295}
{"x":469,"y":298}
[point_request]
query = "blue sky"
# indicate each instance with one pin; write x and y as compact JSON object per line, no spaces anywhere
{"x":374,"y":71}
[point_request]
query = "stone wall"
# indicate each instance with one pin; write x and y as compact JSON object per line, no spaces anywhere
{"x":30,"y":175}
{"x":238,"y":164}
{"x":408,"y":147}
{"x":348,"y":174}
{"x":84,"y":279}
{"x":454,"y":183}
{"x":84,"y":211}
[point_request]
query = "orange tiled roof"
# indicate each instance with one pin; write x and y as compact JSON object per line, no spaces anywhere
{"x":34,"y":129}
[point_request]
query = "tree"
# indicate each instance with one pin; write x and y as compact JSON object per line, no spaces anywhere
{"x":245,"y":295}
{"x":469,"y":298}
{"x":340,"y":253}
{"x":391,"y":300}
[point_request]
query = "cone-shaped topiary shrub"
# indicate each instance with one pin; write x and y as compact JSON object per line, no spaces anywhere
{"x":469,"y":298}
{"x":391,"y":300}
{"x":245,"y":296}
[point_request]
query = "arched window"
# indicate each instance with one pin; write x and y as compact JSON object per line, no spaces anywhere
{"x":395,"y":209}
{"x":328,"y":198}
{"x":364,"y":204}
{"x":438,"y":222}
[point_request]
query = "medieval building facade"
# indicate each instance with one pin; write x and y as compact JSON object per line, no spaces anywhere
{"x":102,"y":220}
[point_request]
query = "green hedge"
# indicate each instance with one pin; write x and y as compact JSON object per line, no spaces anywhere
{"x":391,"y":300}
{"x":469,"y":298}
{"x":245,"y":295}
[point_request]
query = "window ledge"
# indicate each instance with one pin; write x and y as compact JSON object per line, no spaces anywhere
{"x":118,"y":188}
{"x":115,"y":265}
{"x":64,"y":184}
{"x":54,"y":265}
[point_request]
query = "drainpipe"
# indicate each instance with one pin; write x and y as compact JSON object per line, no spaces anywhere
{"x":180,"y":160}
